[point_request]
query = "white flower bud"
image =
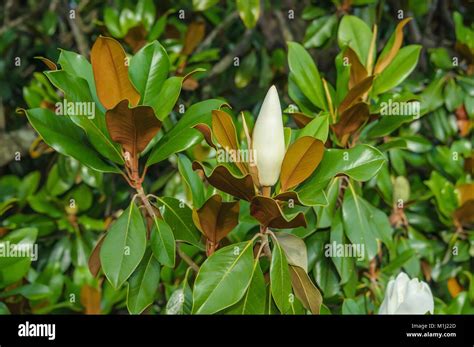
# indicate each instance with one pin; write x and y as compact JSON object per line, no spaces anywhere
{"x":405,"y":296}
{"x":268,"y":139}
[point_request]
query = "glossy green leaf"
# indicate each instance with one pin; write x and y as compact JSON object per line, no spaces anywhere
{"x":124,"y":246}
{"x":182,"y":135}
{"x":78,"y":66}
{"x":345,"y":265}
{"x":280,"y":281}
{"x":356,"y":218}
{"x":162,"y":242}
{"x":143,"y":284}
{"x":361,"y":163}
{"x":398,"y":70}
{"x":65,"y":137}
{"x":148,"y":71}
{"x":356,"y":34}
{"x":192,"y":180}
{"x":179,"y":217}
{"x":223,"y":278}
{"x":253,"y":301}
{"x":306,"y":75}
{"x":76,"y":90}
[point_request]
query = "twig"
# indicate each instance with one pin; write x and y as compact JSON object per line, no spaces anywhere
{"x":239,"y":50}
{"x":217,"y":30}
{"x":187,"y":259}
{"x":285,"y":30}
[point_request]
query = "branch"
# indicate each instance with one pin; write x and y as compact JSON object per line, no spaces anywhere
{"x":239,"y":50}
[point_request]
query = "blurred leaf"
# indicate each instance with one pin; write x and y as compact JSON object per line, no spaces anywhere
{"x":249,"y":11}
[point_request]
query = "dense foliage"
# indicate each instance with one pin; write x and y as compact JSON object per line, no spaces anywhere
{"x":121,"y":124}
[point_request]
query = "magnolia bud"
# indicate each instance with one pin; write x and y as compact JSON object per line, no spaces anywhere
{"x":268,"y":139}
{"x":405,"y":296}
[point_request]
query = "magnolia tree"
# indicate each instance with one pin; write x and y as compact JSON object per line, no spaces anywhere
{"x":302,"y":205}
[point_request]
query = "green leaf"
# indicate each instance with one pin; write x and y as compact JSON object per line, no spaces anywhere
{"x":345,"y":266}
{"x":111,"y":20}
{"x":356,"y":34}
{"x":33,"y":291}
{"x":21,"y":239}
{"x":280,"y":280}
{"x":143,"y":284}
{"x":319,"y":31}
{"x":168,"y":96}
{"x":294,"y":248}
{"x":453,"y":95}
{"x":246,"y":71}
{"x":148,"y":71}
{"x":124,"y":246}
{"x":223,"y":278}
{"x":192,"y":180}
{"x":179,"y":217}
{"x":76,"y":65}
{"x":163,"y":243}
{"x":398,"y":70}
{"x":306,"y":75}
{"x":249,"y":11}
{"x":66,"y":138}
{"x":317,"y":128}
{"x":443,"y":191}
{"x":350,"y":306}
{"x":180,"y":302}
{"x":76,"y":90}
{"x":360,"y":163}
{"x":357,"y":227}
{"x":202,"y":5}
{"x":398,"y":262}
{"x":182,"y":135}
{"x":253,"y":301}
{"x":146,"y":12}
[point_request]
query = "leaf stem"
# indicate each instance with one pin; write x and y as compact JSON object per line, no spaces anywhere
{"x":187,"y":259}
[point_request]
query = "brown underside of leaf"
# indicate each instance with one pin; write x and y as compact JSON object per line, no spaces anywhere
{"x":301,"y":159}
{"x":305,"y":290}
{"x":111,"y":73}
{"x":194,"y":36}
{"x":287,"y":196}
{"x":133,"y":128}
{"x":300,"y":119}
{"x":90,"y":299}
{"x":464,"y":215}
{"x":355,"y":94}
{"x":358,"y":72}
{"x":385,"y":60}
{"x":217,"y":218}
{"x":350,"y":121}
{"x":136,"y":37}
{"x":466,"y":192}
{"x":51,"y":65}
{"x":268,"y":213}
{"x":224,"y":131}
{"x":94,"y":259}
{"x":222,"y":179}
{"x":206,"y":132}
